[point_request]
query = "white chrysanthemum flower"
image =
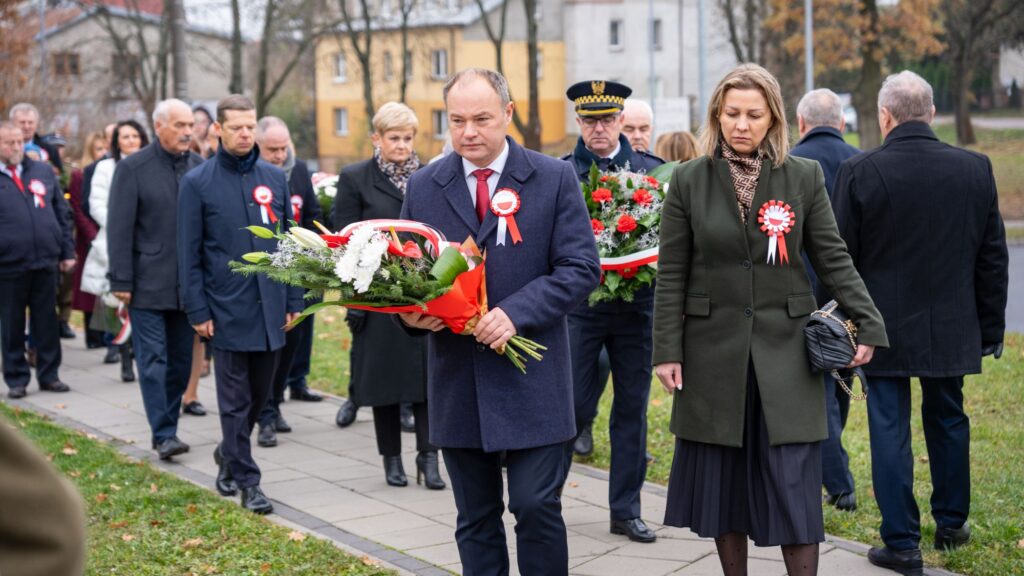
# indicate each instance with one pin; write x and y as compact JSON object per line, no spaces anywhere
{"x":362,"y":257}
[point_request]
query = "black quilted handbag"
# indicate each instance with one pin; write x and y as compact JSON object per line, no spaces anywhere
{"x":832,"y":344}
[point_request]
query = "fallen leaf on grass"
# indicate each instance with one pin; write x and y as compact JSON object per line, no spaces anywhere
{"x":1020,"y":543}
{"x":265,"y":567}
{"x":329,"y":319}
{"x":191,"y":508}
{"x":323,"y":336}
{"x":296,"y":536}
{"x":117,"y":525}
{"x":210,"y":569}
{"x":92,"y":436}
{"x":574,"y":484}
{"x":656,"y":402}
{"x":153,"y":488}
{"x":92,"y":475}
{"x":69,"y":450}
{"x":60,"y":406}
{"x":49,"y":457}
{"x":346,"y":343}
{"x":192,"y":543}
{"x":74,"y":473}
{"x":101,"y":497}
{"x":369,"y":561}
{"x":923,"y":459}
{"x":115,"y":487}
{"x":127,"y":537}
{"x":155,"y":523}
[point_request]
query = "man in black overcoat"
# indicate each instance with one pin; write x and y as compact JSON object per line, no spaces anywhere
{"x":921,"y":219}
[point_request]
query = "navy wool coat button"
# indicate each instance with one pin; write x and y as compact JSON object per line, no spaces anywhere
{"x":746,"y":264}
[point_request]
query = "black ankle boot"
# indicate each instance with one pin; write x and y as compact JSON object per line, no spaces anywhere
{"x":127,"y":373}
{"x":426,"y":469}
{"x":394,"y":472}
{"x":113,"y":354}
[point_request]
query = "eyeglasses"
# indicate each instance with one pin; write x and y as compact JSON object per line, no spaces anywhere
{"x":606,"y":121}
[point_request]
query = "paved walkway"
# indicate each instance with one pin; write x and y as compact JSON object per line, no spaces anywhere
{"x":330,"y":482}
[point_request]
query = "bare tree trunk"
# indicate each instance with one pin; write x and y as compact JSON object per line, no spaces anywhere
{"x":236,"y":86}
{"x":407,"y":6}
{"x":960,"y":85}
{"x":263,"y":57}
{"x":363,"y":52}
{"x":865,"y":95}
{"x":180,"y":57}
{"x":531,"y":131}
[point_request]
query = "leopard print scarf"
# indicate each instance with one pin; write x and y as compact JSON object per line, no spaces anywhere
{"x":745,"y":171}
{"x":398,"y":174}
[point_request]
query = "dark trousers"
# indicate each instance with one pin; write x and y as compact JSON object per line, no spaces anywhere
{"x":244,"y":381}
{"x":65,"y":293}
{"x":37,"y":291}
{"x":300,"y":363}
{"x":947,"y":434}
{"x":388,"y":425}
{"x":163,"y":353}
{"x":835,"y":463}
{"x":623,"y":328}
{"x":286,"y":356}
{"x":604,"y":371}
{"x":534,"y":478}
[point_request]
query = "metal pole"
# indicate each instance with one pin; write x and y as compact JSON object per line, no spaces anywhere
{"x":808,"y":45}
{"x":178,"y":50}
{"x":702,"y":57}
{"x":651,"y":78}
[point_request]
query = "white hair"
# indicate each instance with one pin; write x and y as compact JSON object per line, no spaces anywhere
{"x":268,"y":122}
{"x":21,"y":108}
{"x":907,"y":97}
{"x":639,"y":105}
{"x":821,"y":107}
{"x":162,"y":111}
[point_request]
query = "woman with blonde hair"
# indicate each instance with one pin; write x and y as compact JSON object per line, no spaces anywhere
{"x":367,"y":190}
{"x":748,"y":412}
{"x":680,"y":145}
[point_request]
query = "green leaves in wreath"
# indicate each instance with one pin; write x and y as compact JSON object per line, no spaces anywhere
{"x":448,"y":265}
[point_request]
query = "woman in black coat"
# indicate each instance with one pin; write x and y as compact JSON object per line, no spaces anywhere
{"x":388,"y":366}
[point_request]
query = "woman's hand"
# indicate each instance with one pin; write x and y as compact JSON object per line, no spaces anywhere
{"x":671,"y":376}
{"x":418,"y":320}
{"x":863,"y":356}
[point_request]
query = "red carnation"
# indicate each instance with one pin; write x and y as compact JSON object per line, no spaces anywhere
{"x":603,"y":178}
{"x":652,"y":181}
{"x":626,"y":224}
{"x":597,"y":225}
{"x":642,"y":197}
{"x":601,"y":195}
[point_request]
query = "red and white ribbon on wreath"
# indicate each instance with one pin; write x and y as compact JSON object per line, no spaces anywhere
{"x":776,"y":219}
{"x":627,"y":266}
{"x":297,"y":207}
{"x":38,"y":190}
{"x":264,"y":196}
{"x":435,"y":239}
{"x":126,"y":326}
{"x":504,"y":204}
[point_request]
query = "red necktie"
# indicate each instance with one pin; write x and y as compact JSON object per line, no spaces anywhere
{"x":483,"y":193}
{"x":14,"y":176}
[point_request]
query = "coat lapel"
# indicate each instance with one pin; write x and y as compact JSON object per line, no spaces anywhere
{"x":382,"y":183}
{"x":517,"y":170}
{"x":450,"y":179}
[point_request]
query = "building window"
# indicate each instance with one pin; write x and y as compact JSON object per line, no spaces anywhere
{"x":66,"y":64}
{"x":341,"y":122}
{"x":407,"y":64}
{"x":124,"y":67}
{"x":439,"y":64}
{"x":440,"y":124}
{"x":340,"y":68}
{"x":615,"y":30}
{"x":656,"y":34}
{"x":388,"y":71}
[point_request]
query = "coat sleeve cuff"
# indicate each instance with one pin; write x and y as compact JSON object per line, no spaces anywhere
{"x":120,"y":285}
{"x":199,"y":316}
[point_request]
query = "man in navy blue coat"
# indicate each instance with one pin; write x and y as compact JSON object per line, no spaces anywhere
{"x":35,"y":235}
{"x":622,"y":328}
{"x":241,"y":316}
{"x":480,"y":404}
{"x":820,"y":120}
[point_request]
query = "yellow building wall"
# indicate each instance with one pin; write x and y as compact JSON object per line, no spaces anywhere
{"x":424,"y":93}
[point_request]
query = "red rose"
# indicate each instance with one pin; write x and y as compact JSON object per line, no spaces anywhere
{"x":597,"y":225}
{"x":626,"y":224}
{"x":601,"y":195}
{"x":642,"y":197}
{"x":652,"y":181}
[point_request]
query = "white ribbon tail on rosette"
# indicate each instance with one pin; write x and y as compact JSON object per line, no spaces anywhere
{"x":634,"y":260}
{"x":773,"y":242}
{"x":435,"y":239}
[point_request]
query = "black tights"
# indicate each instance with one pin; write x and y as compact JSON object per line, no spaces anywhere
{"x":387,"y":424}
{"x":800,"y":559}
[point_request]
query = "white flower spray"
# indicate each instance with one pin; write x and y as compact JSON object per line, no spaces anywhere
{"x":362,"y":257}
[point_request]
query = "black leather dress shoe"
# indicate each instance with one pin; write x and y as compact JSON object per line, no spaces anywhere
{"x":952,"y":538}
{"x":55,"y":386}
{"x":225,"y":484}
{"x":193,"y":408}
{"x":255,"y":501}
{"x":66,"y":332}
{"x":267,"y":437}
{"x":346,"y":414}
{"x":171,"y":447}
{"x":906,"y":562}
{"x":635,"y":529}
{"x":17,"y":392}
{"x":847,"y":501}
{"x":305,"y":395}
{"x":281,"y":425}
{"x":584,"y":444}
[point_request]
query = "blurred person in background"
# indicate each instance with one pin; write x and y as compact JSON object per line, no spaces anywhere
{"x":676,"y":146}
{"x":94,"y":148}
{"x":638,"y":124}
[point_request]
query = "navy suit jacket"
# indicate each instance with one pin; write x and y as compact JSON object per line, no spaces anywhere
{"x":215,"y":204}
{"x":476,"y":398}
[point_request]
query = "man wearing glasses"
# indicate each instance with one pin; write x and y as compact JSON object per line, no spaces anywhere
{"x":622,"y":328}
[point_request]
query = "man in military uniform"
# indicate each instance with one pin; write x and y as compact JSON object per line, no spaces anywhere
{"x":623,"y":328}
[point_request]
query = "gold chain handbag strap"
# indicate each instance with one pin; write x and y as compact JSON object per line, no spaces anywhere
{"x":849,"y":391}
{"x":851,"y":333}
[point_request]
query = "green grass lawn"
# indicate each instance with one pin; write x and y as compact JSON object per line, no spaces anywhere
{"x":146,"y":522}
{"x":997,"y":438}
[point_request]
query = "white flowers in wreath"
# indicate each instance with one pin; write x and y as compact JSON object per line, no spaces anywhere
{"x":362,"y":257}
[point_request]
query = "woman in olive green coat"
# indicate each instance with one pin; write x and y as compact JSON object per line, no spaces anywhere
{"x":730,"y":306}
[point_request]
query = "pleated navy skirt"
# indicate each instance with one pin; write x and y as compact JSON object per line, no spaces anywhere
{"x":770,"y":493}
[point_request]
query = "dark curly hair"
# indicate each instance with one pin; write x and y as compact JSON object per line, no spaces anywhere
{"x":115,"y":149}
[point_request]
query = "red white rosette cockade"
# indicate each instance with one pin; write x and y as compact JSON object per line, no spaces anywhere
{"x":776,"y":219}
{"x":264,"y":196}
{"x":297,"y":207}
{"x":504,"y":205}
{"x":38,"y":190}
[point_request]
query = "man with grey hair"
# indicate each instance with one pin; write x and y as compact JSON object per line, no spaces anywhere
{"x":820,"y":120}
{"x":921,"y":221}
{"x":638,"y":124}
{"x":26,"y":116}
{"x":141,"y":235}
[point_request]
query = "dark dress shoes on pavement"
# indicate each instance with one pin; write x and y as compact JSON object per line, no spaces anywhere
{"x":426,"y":470}
{"x":394,"y":472}
{"x":346,"y":414}
{"x":952,"y":538}
{"x":266,"y":437}
{"x":55,"y":386}
{"x":281,"y":425}
{"x":255,"y":501}
{"x":634,"y":529}
{"x":225,"y":484}
{"x":305,"y":395}
{"x":17,"y":392}
{"x":66,"y":331}
{"x":906,"y":562}
{"x":584,"y":444}
{"x":171,"y":447}
{"x":194,"y":408}
{"x":113,"y":355}
{"x":847,"y":501}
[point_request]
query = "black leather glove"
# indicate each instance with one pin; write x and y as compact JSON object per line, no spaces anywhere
{"x":356,"y":320}
{"x":995,"y":349}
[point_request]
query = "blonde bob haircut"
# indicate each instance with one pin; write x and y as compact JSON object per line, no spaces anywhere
{"x":749,"y":77}
{"x":394,"y":116}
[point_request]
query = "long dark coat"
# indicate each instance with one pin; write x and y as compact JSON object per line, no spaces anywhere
{"x":388,"y":365}
{"x":921,"y":219}
{"x":719,"y":302}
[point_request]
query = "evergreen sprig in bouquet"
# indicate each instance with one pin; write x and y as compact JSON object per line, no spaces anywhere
{"x":625,"y":214}
{"x":367,"y":267}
